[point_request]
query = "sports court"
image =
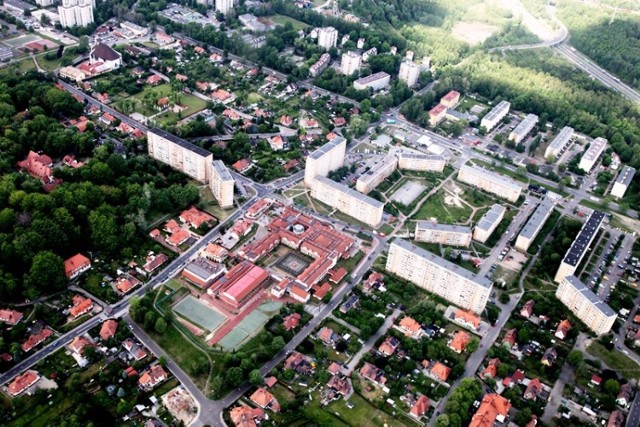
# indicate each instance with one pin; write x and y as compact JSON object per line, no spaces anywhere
{"x":249,"y":326}
{"x":408,"y":192}
{"x":20,"y":41}
{"x":198,"y":313}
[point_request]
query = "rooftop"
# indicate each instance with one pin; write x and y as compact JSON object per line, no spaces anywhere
{"x":582,"y":241}
{"x":625,"y":176}
{"x":350,"y":192}
{"x":326,"y":148}
{"x":561,"y":139}
{"x":590,"y":296}
{"x":490,"y":176}
{"x":181,"y":142}
{"x":489,"y":218}
{"x":525,"y":125}
{"x":595,"y":149}
{"x":537,"y":219}
{"x":431,"y":225}
{"x":498,"y":110}
{"x":373,"y":77}
{"x":221,"y":170}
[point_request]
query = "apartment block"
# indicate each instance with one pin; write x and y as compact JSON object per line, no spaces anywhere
{"x":76,"y":13}
{"x":373,"y":177}
{"x":221,"y":184}
{"x":182,"y":155}
{"x":409,"y":72}
{"x":494,"y":116}
{"x":421,"y":162}
{"x":488,"y":223}
{"x":579,"y":247}
{"x":320,"y":65}
{"x":357,"y":205}
{"x":586,"y":305}
{"x":451,"y":99}
{"x":375,"y":82}
{"x":439,"y":276}
{"x":325,"y":159}
{"x":523,"y":128}
{"x":593,"y":153}
{"x":224,"y":6}
{"x":444,"y":234}
{"x":350,"y":63}
{"x":437,"y":114}
{"x":534,"y":225}
{"x":327,"y":37}
{"x":560,"y":143}
{"x":490,"y":182}
{"x":623,"y":181}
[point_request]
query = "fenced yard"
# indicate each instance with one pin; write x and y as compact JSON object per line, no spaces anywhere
{"x":199,"y":314}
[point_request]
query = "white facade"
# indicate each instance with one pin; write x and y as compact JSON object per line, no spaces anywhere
{"x":421,"y":162}
{"x":439,"y":276}
{"x":523,"y":128}
{"x":494,"y":116}
{"x":45,"y":3}
{"x":76,"y":13}
{"x":221,"y":184}
{"x":622,"y":182}
{"x":533,"y":226}
{"x":372,"y":178}
{"x":188,"y":158}
{"x":409,"y":73}
{"x":443,"y":234}
{"x":559,"y":143}
{"x":350,"y":63}
{"x":224,"y":6}
{"x":593,"y":153}
{"x":488,"y":223}
{"x":377,"y":81}
{"x":490,"y":182}
{"x":363,"y":208}
{"x":325,"y":159}
{"x":327,"y":37}
{"x":579,"y":247}
{"x":586,"y":305}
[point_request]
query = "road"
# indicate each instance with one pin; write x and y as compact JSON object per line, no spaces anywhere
{"x":367,"y":346}
{"x":551,"y":410}
{"x":633,"y":419}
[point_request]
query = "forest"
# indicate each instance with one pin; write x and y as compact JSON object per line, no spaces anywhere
{"x":103,"y":207}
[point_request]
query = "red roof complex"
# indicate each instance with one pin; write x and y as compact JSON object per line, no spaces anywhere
{"x":38,"y":166}
{"x":450,"y":99}
{"x":23,"y":382}
{"x":79,"y":344}
{"x":10,"y":317}
{"x":493,"y":408}
{"x":239,"y":283}
{"x":76,"y":265}
{"x":35,"y":339}
{"x":258,"y":208}
{"x":81,"y":305}
{"x":195,"y":218}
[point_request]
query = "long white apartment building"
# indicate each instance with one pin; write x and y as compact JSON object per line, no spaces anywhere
{"x":373,"y":177}
{"x":493,"y":117}
{"x":623,"y":180}
{"x":439,"y":276}
{"x":409,"y":72}
{"x":523,"y":128}
{"x":443,"y":234}
{"x":182,"y":155}
{"x":488,"y":223}
{"x":224,"y":6}
{"x":490,"y":182}
{"x":580,"y":246}
{"x":375,"y":82}
{"x":76,"y":13}
{"x":586,"y":305}
{"x":327,"y":37}
{"x":533,"y":226}
{"x":559,"y":144}
{"x":325,"y":159}
{"x":221,"y":184}
{"x":349,"y":201}
{"x":421,"y":162}
{"x":593,"y":153}
{"x":350,"y":63}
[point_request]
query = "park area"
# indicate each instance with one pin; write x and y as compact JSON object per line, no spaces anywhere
{"x":249,"y":326}
{"x":199,"y":314}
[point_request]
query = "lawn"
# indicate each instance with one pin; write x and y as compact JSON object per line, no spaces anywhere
{"x":434,"y":207}
{"x":363,"y":413}
{"x":281,"y":20}
{"x":46,"y":64}
{"x":94,"y":284}
{"x":615,"y":360}
{"x":19,"y":67}
{"x":193,"y":104}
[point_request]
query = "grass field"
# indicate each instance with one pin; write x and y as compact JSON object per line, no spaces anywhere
{"x":281,"y":20}
{"x":615,"y":360}
{"x":198,"y":313}
{"x":363,"y":413}
{"x":193,"y":104}
{"x":249,"y":326}
{"x":19,"y":67}
{"x":434,"y":207}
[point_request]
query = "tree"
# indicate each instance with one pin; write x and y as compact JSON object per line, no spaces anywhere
{"x":46,"y":274}
{"x":277,"y":344}
{"x":255,"y":377}
{"x":612,"y":387}
{"x":233,"y":377}
{"x":160,"y":326}
{"x":473,"y":345}
{"x":523,"y":417}
{"x":575,"y":358}
{"x":443,"y":421}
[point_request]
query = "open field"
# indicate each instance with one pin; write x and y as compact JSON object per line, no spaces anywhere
{"x":614,"y":360}
{"x":198,"y":313}
{"x":409,"y":191}
{"x":281,"y":20}
{"x":435,"y":207}
{"x":249,"y":326}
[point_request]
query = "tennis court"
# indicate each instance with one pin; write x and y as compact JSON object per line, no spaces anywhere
{"x":198,"y":313}
{"x":20,"y":41}
{"x":249,"y":326}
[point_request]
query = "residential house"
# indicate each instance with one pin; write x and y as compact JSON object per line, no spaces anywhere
{"x":389,"y":346}
{"x":509,"y":340}
{"x":79,"y":344}
{"x":286,"y":120}
{"x":439,"y":371}
{"x":411,"y":328}
{"x":596,"y":380}
{"x":23,"y":382}
{"x":35,"y":339}
{"x":154,"y":80}
{"x":328,"y":336}
{"x":527,"y":309}
{"x":277,"y":143}
{"x":533,"y":389}
{"x":563,"y":329}
{"x":373,"y":374}
{"x":195,"y":218}
{"x":134,"y":349}
{"x":420,"y":408}
{"x":10,"y":317}
{"x":242,"y":165}
{"x":245,"y":416}
{"x":491,"y":371}
{"x":107,"y":119}
{"x":616,"y":419}
{"x":334,"y":368}
{"x":38,"y":166}
{"x":625,"y":395}
{"x":350,"y":303}
{"x":549,"y":357}
{"x":215,"y":252}
{"x":467,"y":318}
{"x":76,"y":265}
{"x":459,"y":342}
{"x":265,"y":400}
{"x":515,"y":379}
{"x":493,"y":408}
{"x":80,"y":306}
{"x":153,"y":262}
{"x":299,"y":294}
{"x":108,"y":329}
{"x":154,"y":376}
{"x":291,"y":321}
{"x":340,"y":384}
{"x":270,"y":381}
{"x":299,"y":363}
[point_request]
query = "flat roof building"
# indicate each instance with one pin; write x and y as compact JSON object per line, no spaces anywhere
{"x":325,"y":159}
{"x":373,"y":177}
{"x":444,"y":234}
{"x":491,"y":182}
{"x":579,"y":247}
{"x":327,"y":37}
{"x":222,"y":184}
{"x":623,"y":180}
{"x":593,"y":153}
{"x":351,"y":202}
{"x":586,"y":305}
{"x":559,"y":144}
{"x":439,"y":276}
{"x":202,"y":272}
{"x":534,"y":225}
{"x":409,"y":72}
{"x":182,"y":155}
{"x":239,"y":283}
{"x":350,"y":63}
{"x":488,"y":223}
{"x":523,"y":128}
{"x":375,"y":82}
{"x":421,"y":162}
{"x":493,"y":117}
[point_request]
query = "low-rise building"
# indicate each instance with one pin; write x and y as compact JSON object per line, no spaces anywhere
{"x":437,"y":114}
{"x":375,"y":82}
{"x":560,"y":143}
{"x":623,"y":180}
{"x":523,"y":128}
{"x":593,"y":153}
{"x":154,"y":376}
{"x":493,"y":409}
{"x":444,"y":234}
{"x":494,"y":116}
{"x":23,"y":382}
{"x":451,"y":99}
{"x":320,"y":65}
{"x":202,"y":272}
